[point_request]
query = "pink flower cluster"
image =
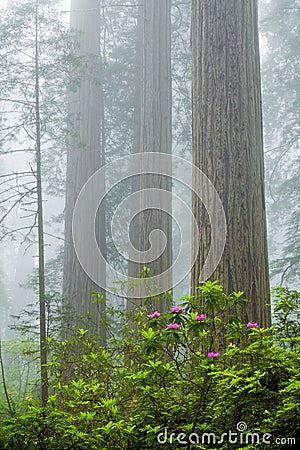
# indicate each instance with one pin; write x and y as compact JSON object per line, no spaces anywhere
{"x":173,"y":326}
{"x":252,"y":325}
{"x":200,"y":317}
{"x":213,"y":354}
{"x":176,"y":309}
{"x":154,"y":315}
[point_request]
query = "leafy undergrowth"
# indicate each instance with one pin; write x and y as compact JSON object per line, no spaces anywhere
{"x":194,"y":377}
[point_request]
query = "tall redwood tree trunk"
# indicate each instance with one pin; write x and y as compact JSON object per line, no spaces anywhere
{"x":84,"y":157}
{"x":154,"y":133}
{"x":228,"y":146}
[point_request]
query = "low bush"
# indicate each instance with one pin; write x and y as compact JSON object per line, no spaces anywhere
{"x":193,"y":377}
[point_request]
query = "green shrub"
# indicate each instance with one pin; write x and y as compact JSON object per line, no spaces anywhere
{"x":193,"y":370}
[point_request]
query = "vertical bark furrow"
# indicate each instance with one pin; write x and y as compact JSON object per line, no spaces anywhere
{"x":84,"y":157}
{"x":227,"y":139}
{"x":155,"y":129}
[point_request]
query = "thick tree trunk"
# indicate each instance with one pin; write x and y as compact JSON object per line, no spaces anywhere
{"x":154,"y":134}
{"x":228,"y":146}
{"x":85,"y":155}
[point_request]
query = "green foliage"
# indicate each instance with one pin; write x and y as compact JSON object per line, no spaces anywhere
{"x":52,"y":44}
{"x":21,"y":363}
{"x":159,"y":379}
{"x":287,"y":317}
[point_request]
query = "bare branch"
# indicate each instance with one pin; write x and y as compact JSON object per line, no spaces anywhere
{"x":17,"y":150}
{"x":16,"y":101}
{"x":56,"y":237}
{"x":15,"y":230}
{"x":16,"y":174}
{"x":16,"y":203}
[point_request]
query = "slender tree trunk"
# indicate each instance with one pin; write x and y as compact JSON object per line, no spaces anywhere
{"x":154,"y":134}
{"x":133,"y":267}
{"x":8,"y":401}
{"x":41,"y":245}
{"x":228,"y":146}
{"x":85,"y":154}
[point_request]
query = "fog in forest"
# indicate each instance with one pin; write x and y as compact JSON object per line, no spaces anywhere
{"x":19,"y":250}
{"x":121,"y":173}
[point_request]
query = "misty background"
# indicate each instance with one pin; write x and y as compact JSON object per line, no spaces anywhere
{"x":279,"y":34}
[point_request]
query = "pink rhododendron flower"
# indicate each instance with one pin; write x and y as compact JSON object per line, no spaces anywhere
{"x":252,"y":325}
{"x":154,"y":315}
{"x":213,"y":354}
{"x":200,"y":317}
{"x":173,"y":326}
{"x":176,"y":309}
